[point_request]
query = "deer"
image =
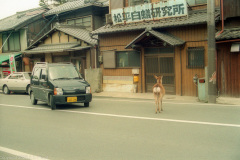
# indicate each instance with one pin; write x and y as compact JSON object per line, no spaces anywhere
{"x":158,"y":92}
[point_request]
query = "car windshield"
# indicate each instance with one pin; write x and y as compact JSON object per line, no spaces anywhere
{"x":63,"y":72}
{"x":27,"y":75}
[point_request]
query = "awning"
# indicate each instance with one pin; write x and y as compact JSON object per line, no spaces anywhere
{"x":4,"y":57}
{"x":53,"y":48}
{"x":163,"y":36}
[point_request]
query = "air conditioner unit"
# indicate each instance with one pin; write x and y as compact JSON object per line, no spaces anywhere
{"x":109,"y":19}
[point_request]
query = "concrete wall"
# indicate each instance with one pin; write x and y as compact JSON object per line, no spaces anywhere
{"x":94,"y":78}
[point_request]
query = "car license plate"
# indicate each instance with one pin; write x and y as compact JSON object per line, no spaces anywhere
{"x":71,"y":99}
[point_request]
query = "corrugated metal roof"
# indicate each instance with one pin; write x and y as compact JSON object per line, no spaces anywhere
{"x":14,"y":21}
{"x":73,"y":5}
{"x":195,"y":17}
{"x":165,"y":37}
{"x":227,"y":34}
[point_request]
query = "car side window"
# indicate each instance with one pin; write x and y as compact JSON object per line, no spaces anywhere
{"x":20,"y":76}
{"x":36,"y":73}
{"x":13,"y":77}
{"x":43,"y":74}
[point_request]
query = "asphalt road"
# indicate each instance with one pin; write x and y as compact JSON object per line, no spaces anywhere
{"x":113,"y":128}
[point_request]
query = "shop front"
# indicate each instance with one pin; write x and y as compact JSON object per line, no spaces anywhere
{"x":5,"y":63}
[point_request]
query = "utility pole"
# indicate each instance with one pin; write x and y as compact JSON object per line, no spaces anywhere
{"x":212,"y":90}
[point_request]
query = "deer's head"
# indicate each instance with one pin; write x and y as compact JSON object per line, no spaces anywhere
{"x":159,"y":79}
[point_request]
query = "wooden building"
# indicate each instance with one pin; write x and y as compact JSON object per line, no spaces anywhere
{"x":228,"y":50}
{"x":168,"y":39}
{"x":69,"y":39}
{"x":17,"y":32}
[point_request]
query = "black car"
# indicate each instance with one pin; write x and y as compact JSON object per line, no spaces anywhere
{"x":58,"y":83}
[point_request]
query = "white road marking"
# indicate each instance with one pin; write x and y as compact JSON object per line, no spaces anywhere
{"x":132,"y":117}
{"x":19,"y":154}
{"x":164,"y":102}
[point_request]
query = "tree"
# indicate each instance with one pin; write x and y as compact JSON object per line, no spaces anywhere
{"x":45,"y":3}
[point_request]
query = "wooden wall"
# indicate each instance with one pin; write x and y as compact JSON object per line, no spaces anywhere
{"x":228,"y":69}
{"x":118,"y":42}
{"x":195,"y":36}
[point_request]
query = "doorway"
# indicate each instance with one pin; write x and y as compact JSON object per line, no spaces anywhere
{"x":160,"y":63}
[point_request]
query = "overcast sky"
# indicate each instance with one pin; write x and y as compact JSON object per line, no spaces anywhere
{"x":10,"y":7}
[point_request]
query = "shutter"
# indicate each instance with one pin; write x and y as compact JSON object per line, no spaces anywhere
{"x":109,"y":59}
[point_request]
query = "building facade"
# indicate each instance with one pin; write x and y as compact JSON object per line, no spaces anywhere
{"x":147,"y":38}
{"x":17,"y":32}
{"x":228,"y":50}
{"x":69,"y":39}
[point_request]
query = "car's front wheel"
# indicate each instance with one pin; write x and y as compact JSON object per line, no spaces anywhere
{"x":33,"y":100}
{"x":6,"y":90}
{"x":52,"y":103}
{"x":86,"y":104}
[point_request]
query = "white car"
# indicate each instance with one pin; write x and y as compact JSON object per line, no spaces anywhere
{"x":16,"y":82}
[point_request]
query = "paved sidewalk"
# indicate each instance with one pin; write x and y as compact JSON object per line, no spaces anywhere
{"x":149,"y":96}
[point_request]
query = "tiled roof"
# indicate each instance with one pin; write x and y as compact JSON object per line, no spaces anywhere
{"x":73,"y":5}
{"x":166,"y":37}
{"x":227,"y":34}
{"x":53,"y":47}
{"x":194,"y":17}
{"x":20,"y":19}
{"x":77,"y":32}
{"x":60,"y":47}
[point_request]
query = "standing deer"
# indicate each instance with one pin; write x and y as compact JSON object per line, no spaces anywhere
{"x":158,"y":92}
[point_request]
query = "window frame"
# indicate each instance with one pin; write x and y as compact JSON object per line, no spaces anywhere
{"x":195,"y":3}
{"x":129,"y":65}
{"x":130,"y":2}
{"x":15,"y":36}
{"x":195,"y":50}
{"x":82,"y":23}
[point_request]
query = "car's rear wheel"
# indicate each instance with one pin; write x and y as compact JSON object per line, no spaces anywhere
{"x":28,"y":89}
{"x":33,"y":100}
{"x":86,"y":104}
{"x":6,"y":90}
{"x":52,"y":103}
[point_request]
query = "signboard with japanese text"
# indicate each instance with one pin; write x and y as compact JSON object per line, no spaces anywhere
{"x":12,"y":63}
{"x":150,"y":11}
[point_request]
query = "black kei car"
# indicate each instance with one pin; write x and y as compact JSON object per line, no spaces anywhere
{"x":58,"y":83}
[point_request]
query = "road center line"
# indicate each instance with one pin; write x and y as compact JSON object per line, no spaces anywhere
{"x":132,"y":117}
{"x":20,"y":154}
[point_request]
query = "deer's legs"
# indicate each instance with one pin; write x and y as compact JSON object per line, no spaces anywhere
{"x":156,"y":101}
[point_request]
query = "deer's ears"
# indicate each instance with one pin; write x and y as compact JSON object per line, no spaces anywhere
{"x":158,"y":77}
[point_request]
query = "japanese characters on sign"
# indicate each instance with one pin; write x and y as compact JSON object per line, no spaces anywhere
{"x":12,"y":63}
{"x":150,"y":11}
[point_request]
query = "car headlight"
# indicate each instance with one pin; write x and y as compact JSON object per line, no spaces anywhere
{"x":88,"y":89}
{"x":58,"y":91}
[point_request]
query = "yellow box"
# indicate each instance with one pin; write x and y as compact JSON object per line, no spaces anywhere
{"x":135,"y":79}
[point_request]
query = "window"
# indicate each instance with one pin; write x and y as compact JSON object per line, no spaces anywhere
{"x":128,"y":59}
{"x":36,"y":73}
{"x":13,"y":76}
{"x":43,"y":74}
{"x":196,"y":2}
{"x":195,"y":57}
{"x":83,"y":21}
{"x":138,"y":2}
{"x":12,"y":42}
